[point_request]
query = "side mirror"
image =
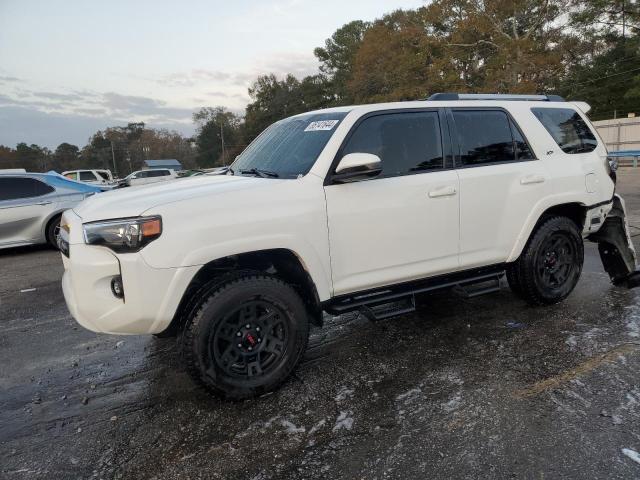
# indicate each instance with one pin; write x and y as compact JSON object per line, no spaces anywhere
{"x":357,"y":166}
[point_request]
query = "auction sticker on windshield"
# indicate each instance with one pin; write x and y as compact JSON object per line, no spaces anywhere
{"x":321,"y":125}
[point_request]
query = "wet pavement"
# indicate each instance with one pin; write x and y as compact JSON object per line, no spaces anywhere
{"x":465,"y":388}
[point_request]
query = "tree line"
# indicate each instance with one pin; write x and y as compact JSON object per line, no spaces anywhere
{"x":581,"y":49}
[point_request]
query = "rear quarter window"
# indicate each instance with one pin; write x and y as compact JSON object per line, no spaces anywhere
{"x":568,"y":129}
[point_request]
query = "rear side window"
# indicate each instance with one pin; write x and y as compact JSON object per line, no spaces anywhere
{"x":484,"y":137}
{"x":18,"y":187}
{"x":567,"y":128}
{"x":72,"y":176}
{"x":407,"y":142}
{"x":87,"y":176}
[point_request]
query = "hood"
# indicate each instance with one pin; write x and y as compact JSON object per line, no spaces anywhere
{"x":134,"y":201}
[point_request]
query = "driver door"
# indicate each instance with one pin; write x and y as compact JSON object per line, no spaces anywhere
{"x":403,"y":224}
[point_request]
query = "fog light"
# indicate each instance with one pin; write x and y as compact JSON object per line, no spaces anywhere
{"x":116,"y":287}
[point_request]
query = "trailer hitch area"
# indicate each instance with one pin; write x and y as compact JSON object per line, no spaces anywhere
{"x":616,"y":248}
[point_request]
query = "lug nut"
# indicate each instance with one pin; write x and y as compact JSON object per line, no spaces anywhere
{"x":250,"y":348}
{"x":239,"y":345}
{"x":257,"y":329}
{"x":238,"y":334}
{"x":247,"y":326}
{"x":259,"y":340}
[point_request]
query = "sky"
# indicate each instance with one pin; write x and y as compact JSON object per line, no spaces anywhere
{"x":71,"y":67}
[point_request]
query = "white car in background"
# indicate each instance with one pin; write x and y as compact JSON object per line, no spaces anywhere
{"x":144,"y":177}
{"x":93,"y":177}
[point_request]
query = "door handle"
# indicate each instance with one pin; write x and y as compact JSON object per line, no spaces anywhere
{"x":531,"y":179}
{"x":442,"y":192}
{"x":43,"y":203}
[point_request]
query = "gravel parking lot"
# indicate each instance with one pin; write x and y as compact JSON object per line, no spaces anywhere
{"x":466,"y":388}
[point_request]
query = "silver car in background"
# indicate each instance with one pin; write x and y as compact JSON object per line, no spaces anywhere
{"x":31,"y":205}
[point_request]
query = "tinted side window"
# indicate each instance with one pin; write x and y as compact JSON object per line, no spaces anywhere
{"x":484,"y":137}
{"x":87,"y":176}
{"x":567,"y":128}
{"x":405,"y":142}
{"x":523,"y":152}
{"x":16,"y":187}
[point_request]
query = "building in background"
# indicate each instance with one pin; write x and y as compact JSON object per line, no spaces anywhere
{"x":621,"y":135}
{"x":171,"y":163}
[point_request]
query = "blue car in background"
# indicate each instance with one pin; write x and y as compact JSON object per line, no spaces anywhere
{"x":31,"y":205}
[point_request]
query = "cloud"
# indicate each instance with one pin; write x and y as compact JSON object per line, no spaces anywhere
{"x":9,"y":79}
{"x":144,"y":106}
{"x":67,"y":97}
{"x":280,"y":64}
{"x":193,"y":77}
{"x":23,"y":124}
{"x":117,"y":101}
{"x":6,"y":100}
{"x":94,"y":104}
{"x":92,"y":112}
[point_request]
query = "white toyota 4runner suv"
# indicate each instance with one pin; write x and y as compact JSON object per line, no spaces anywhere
{"x":347,"y":209}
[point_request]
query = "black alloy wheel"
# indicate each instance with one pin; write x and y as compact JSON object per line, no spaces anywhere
{"x":550,"y":264}
{"x":251,"y":340}
{"x":246,"y":335}
{"x":557,"y":262}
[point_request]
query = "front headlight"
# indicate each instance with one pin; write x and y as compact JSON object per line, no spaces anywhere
{"x":123,"y":235}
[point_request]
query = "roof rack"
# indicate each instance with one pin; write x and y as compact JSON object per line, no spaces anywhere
{"x":496,"y":96}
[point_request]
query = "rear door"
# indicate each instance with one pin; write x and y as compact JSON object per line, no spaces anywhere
{"x":500,"y":182}
{"x":403,"y":224}
{"x":25,"y":203}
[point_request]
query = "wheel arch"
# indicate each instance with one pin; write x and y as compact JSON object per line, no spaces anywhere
{"x":576,"y":211}
{"x":279,"y":262}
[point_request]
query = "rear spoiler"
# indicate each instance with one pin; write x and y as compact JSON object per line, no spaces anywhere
{"x":583,"y":106}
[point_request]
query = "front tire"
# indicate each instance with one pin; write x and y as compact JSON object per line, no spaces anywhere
{"x":246,"y":338}
{"x":551,"y":263}
{"x":53,"y":230}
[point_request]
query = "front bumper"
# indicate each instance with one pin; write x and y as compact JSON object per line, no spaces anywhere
{"x":151,"y":295}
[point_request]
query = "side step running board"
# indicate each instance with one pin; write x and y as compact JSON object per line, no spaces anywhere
{"x":477,"y":289}
{"x":400,"y":299}
{"x":388,"y":310}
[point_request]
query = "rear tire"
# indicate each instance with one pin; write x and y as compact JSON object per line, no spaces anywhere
{"x":53,"y":229}
{"x":551,"y":263}
{"x":246,"y":337}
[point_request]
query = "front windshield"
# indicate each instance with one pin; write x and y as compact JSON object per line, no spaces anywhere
{"x":290,"y":147}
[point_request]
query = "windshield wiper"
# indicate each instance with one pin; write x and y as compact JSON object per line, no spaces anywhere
{"x":259,"y":172}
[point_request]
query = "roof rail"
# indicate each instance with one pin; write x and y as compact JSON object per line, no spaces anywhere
{"x":496,"y":96}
